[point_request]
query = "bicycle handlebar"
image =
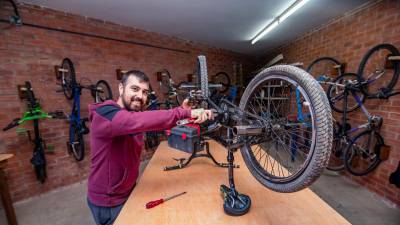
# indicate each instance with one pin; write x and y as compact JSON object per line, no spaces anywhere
{"x":192,"y":86}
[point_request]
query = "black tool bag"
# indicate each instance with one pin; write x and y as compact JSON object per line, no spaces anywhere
{"x":185,"y":138}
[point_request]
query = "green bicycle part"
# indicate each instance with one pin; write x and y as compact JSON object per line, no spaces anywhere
{"x":34,"y":114}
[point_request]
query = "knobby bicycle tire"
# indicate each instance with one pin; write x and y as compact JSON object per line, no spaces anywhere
{"x":351,"y":156}
{"x":105,"y":93}
{"x":329,"y":59}
{"x":68,"y":79}
{"x":202,"y":75}
{"x":362,"y":76}
{"x":320,"y":147}
{"x":333,"y":88}
{"x":78,"y":143}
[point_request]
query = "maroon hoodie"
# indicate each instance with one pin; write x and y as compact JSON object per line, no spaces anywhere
{"x":116,"y":139}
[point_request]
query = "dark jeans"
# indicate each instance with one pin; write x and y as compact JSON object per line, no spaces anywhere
{"x":104,"y":215}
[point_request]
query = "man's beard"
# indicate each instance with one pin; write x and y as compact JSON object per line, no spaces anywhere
{"x":130,"y":107}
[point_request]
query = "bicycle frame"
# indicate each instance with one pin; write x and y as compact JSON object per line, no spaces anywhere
{"x":75,"y":117}
{"x":34,"y":113}
{"x":363,"y":109}
{"x":248,"y":125}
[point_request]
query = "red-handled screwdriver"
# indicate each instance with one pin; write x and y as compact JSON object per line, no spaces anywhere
{"x":155,"y":203}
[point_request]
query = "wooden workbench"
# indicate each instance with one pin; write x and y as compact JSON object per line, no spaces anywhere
{"x":4,"y":191}
{"x":202,"y":204}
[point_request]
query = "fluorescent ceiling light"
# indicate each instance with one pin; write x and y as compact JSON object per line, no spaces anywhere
{"x":283,"y":16}
{"x":293,"y":8}
{"x":265,"y":31}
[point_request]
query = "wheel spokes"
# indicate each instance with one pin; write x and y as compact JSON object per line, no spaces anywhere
{"x":284,"y":152}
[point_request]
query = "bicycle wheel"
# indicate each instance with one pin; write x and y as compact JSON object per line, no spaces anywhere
{"x":339,"y":144}
{"x":335,"y":94}
{"x":77,"y":142}
{"x":38,"y":160}
{"x":325,"y":66}
{"x":165,"y":82}
{"x":363,"y":153}
{"x":152,"y":103}
{"x":202,"y":76}
{"x":271,"y":159}
{"x":103,"y":91}
{"x":374,"y":70}
{"x":222,"y":78}
{"x":68,"y":78}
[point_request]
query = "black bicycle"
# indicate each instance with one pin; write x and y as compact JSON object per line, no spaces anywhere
{"x":261,"y":128}
{"x":223,"y":79}
{"x":379,"y":69}
{"x":361,"y":153}
{"x":326,"y":67}
{"x":34,"y":112}
{"x":173,"y":94}
{"x":100,"y":92}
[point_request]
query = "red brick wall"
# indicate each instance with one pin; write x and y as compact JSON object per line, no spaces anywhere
{"x":347,"y":39}
{"x":30,"y":54}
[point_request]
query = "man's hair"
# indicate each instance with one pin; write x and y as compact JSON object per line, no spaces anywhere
{"x":136,"y":73}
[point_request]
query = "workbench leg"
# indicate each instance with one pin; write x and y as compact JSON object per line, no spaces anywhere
{"x":6,"y":199}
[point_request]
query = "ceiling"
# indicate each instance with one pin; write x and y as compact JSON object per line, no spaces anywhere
{"x":227,"y":24}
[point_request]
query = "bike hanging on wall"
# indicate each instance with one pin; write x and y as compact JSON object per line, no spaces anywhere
{"x":377,"y":76}
{"x":100,"y":92}
{"x":261,"y":128}
{"x":35,"y":113}
{"x":359,"y":154}
{"x":379,"y":69}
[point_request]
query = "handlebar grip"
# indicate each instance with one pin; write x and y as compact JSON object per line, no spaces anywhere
{"x":14,"y":123}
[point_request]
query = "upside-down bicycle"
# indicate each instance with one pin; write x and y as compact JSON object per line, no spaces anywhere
{"x":261,"y":129}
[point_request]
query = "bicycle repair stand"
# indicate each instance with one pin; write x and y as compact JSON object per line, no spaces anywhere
{"x":235,"y":204}
{"x":183,"y":162}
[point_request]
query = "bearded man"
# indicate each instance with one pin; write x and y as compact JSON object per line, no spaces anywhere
{"x":116,"y":139}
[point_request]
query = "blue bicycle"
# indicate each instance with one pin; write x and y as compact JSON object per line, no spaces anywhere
{"x":100,"y":91}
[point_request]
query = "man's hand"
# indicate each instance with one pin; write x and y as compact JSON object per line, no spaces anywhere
{"x":186,"y":104}
{"x":201,"y":115}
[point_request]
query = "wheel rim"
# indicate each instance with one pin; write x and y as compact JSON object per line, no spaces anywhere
{"x":362,"y":156}
{"x":68,"y":78}
{"x":222,"y":78}
{"x":102,"y":92}
{"x":336,"y":94}
{"x":288,"y":149}
{"x":76,"y":145}
{"x":325,"y":66}
{"x":374,"y":70}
